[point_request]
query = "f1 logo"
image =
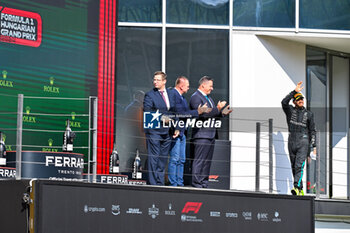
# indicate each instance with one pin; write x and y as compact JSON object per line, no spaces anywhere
{"x":192,"y":206}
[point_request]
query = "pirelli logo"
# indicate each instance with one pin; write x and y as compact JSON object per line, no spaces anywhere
{"x":192,"y":207}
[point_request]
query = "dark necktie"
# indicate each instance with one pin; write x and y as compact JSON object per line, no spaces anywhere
{"x":208,"y":101}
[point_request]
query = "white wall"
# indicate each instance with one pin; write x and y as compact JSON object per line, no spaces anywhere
{"x":340,"y":125}
{"x":264,"y":71}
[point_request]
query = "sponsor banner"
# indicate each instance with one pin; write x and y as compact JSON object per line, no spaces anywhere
{"x":126,"y":208}
{"x":20,"y":27}
{"x":7,"y":173}
{"x":49,"y":165}
{"x":114,"y":179}
{"x":137,"y":182}
{"x":108,"y":179}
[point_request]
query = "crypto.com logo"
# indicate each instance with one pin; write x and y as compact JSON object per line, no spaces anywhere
{"x":192,"y":206}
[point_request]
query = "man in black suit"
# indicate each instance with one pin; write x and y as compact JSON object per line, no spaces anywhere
{"x":204,"y":138}
{"x":161,"y":101}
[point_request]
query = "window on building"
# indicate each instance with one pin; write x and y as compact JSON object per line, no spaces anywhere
{"x":325,"y":14}
{"x":145,"y":11}
{"x":198,"y":12}
{"x":264,"y":13}
{"x":195,"y":53}
{"x":139,"y":56}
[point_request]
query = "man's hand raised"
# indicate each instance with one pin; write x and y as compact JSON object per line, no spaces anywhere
{"x":299,"y":87}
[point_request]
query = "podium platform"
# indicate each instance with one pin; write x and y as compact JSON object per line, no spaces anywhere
{"x":71,"y":207}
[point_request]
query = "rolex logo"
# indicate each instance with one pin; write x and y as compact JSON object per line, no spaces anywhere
{"x":27,"y":118}
{"x":51,"y":88}
{"x":4,"y":82}
{"x":73,"y":123}
{"x":4,"y":74}
{"x":49,"y":149}
{"x":27,"y":110}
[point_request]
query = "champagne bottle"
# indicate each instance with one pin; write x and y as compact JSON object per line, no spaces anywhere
{"x":114,"y":162}
{"x":2,"y":151}
{"x":68,"y":138}
{"x":136,"y":173}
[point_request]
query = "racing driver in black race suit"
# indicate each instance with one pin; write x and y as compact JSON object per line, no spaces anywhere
{"x":302,"y":135}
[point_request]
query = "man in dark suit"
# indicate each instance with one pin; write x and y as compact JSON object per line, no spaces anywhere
{"x":204,"y":138}
{"x":178,"y":145}
{"x":161,"y":101}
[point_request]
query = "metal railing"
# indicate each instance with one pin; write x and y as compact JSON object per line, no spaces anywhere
{"x":265,"y":163}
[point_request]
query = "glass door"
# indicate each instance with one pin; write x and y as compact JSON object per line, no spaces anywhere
{"x":317,"y":86}
{"x":339,"y":137}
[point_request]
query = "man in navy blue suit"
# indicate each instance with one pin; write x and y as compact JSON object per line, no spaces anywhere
{"x":204,"y":138}
{"x":178,"y":145}
{"x":161,"y":101}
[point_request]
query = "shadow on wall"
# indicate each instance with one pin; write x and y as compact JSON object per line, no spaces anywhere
{"x":289,"y":55}
{"x":284,"y":178}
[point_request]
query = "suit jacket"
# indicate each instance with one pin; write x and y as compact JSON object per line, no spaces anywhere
{"x":182,"y":108}
{"x":196,"y":99}
{"x":153,"y":101}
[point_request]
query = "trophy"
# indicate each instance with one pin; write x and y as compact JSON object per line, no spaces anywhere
{"x":136,"y":173}
{"x":114,"y":162}
{"x":2,"y":151}
{"x":68,"y":137}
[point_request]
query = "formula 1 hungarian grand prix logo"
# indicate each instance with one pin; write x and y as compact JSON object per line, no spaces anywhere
{"x":20,"y":27}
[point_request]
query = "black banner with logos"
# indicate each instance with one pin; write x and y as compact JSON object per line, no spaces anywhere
{"x":65,"y":207}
